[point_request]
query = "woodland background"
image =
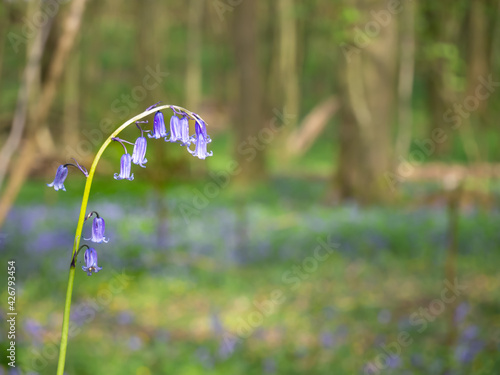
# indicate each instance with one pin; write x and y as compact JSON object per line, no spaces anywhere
{"x":371,"y":123}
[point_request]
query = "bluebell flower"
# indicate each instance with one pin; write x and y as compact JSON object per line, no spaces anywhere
{"x":203,"y":127}
{"x":175,"y":130}
{"x":159,"y":130}
{"x":125,"y":165}
{"x":61,"y":174}
{"x":91,"y":261}
{"x":98,"y":227}
{"x":184,"y":126}
{"x":138,"y":156}
{"x":201,"y":140}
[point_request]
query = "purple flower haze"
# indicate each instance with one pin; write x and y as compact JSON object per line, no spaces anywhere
{"x":98,"y":227}
{"x":61,"y":174}
{"x":159,"y":130}
{"x":125,"y":164}
{"x":138,"y":156}
{"x":461,"y":312}
{"x":91,"y":261}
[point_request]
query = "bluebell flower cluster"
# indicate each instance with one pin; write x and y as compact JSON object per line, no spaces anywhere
{"x":179,"y":133}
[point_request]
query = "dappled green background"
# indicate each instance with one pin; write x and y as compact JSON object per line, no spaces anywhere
{"x":306,"y":260}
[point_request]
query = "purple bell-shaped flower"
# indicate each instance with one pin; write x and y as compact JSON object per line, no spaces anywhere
{"x":138,"y":156}
{"x":91,"y":261}
{"x":125,"y":165}
{"x":201,"y":141}
{"x":98,"y":227}
{"x":159,"y":130}
{"x":175,"y":130}
{"x":61,"y":174}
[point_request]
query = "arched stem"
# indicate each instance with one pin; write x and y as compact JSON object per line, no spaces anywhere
{"x":81,"y":219}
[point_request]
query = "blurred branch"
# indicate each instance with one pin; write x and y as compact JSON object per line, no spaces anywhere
{"x":64,"y":46}
{"x":28,"y":80}
{"x":28,"y":152}
{"x":302,"y":138}
{"x":288,"y":58}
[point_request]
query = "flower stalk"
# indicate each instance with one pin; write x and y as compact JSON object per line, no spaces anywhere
{"x":83,"y":209}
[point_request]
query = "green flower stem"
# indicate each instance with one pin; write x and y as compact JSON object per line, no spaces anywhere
{"x":81,"y":219}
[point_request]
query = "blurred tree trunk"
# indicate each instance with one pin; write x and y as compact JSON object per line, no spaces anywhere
{"x":193,"y":63}
{"x":28,"y":92}
{"x":288,"y":59}
{"x":71,"y":115}
{"x":151,"y":41}
{"x":368,"y":95}
{"x":477,"y":47}
{"x":405,"y":79}
{"x":247,"y":122}
{"x":27,"y":153}
{"x":4,"y":27}
{"x":152,"y":26}
{"x":477,"y":66}
{"x":440,"y":43}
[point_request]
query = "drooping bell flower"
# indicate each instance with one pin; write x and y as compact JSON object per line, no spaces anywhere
{"x":203,"y":128}
{"x":175,"y":130}
{"x":91,"y":261}
{"x":201,"y":142}
{"x":125,"y":164}
{"x":159,"y":130}
{"x":184,"y":126}
{"x":62,"y":173}
{"x":98,"y":227}
{"x":139,"y":153}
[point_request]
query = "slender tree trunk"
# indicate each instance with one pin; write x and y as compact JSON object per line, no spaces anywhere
{"x":193,"y":63}
{"x":441,"y":74}
{"x":405,"y":80}
{"x":71,"y":116}
{"x":28,"y":90}
{"x":288,"y":59}
{"x":250,"y":149}
{"x":368,"y":95}
{"x":28,"y":150}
